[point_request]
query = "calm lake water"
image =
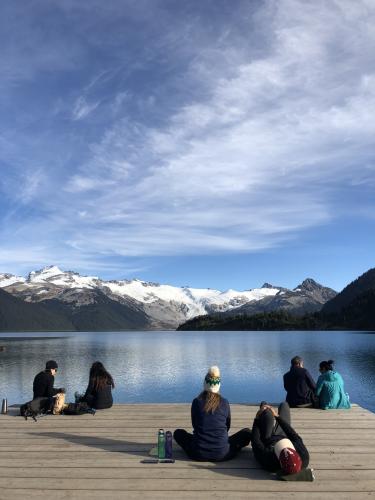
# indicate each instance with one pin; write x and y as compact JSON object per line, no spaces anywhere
{"x":170,"y":366}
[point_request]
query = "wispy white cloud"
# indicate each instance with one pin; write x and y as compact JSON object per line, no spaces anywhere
{"x":30,"y":185}
{"x":21,"y":261}
{"x":82,"y":108}
{"x":119,"y":100}
{"x":79,"y":183}
{"x":236,"y":139}
{"x":257,"y":155}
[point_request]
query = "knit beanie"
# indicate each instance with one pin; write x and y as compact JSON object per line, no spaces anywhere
{"x":290,"y":461}
{"x":51,"y":365}
{"x":212,"y":380}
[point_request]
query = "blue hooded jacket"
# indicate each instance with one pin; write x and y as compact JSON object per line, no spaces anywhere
{"x":330,"y":389}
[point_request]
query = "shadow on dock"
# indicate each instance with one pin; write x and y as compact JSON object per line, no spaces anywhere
{"x":235,"y":467}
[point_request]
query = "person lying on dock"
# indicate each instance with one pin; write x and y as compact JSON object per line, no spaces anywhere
{"x":211,"y":419}
{"x":98,"y":394}
{"x":299,"y":385}
{"x":276,"y":445}
{"x":330,"y":388}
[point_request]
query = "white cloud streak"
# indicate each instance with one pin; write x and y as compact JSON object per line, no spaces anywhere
{"x":253,"y":162}
{"x":254,"y":155}
{"x":82,"y":108}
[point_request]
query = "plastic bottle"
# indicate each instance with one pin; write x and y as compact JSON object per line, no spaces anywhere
{"x":168,"y":444}
{"x":4,"y":407}
{"x":161,"y":444}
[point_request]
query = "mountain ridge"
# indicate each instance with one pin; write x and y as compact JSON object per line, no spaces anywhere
{"x":351,"y":309}
{"x":154,"y":305}
{"x":364,"y":283}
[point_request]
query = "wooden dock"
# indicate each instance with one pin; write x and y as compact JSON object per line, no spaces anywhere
{"x":99,"y":457}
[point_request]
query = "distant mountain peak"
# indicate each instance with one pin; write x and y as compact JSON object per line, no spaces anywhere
{"x":309,"y":284}
{"x":310,"y":281}
{"x":7,"y":279}
{"x":51,"y":269}
{"x":267,"y":285}
{"x":46,"y":271}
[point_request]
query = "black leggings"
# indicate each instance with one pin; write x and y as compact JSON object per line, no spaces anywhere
{"x":268,"y":425}
{"x":236,"y":442}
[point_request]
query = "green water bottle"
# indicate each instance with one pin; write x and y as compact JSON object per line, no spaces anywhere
{"x":161,"y":444}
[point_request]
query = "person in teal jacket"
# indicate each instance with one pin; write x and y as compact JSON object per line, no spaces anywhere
{"x":330,"y":388}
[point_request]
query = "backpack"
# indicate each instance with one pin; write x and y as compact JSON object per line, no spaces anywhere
{"x":38,"y":406}
{"x":77,"y":409}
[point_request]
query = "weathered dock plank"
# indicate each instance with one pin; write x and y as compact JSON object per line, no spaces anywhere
{"x":96,"y":457}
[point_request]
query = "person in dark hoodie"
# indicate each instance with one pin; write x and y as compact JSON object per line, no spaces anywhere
{"x":276,"y":445}
{"x":98,"y":394}
{"x":211,"y":419}
{"x":43,"y":382}
{"x":299,"y":385}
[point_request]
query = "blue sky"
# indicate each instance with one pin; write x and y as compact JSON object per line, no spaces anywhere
{"x":207,"y":143}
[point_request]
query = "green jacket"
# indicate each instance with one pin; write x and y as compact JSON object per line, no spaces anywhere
{"x":330,"y":389}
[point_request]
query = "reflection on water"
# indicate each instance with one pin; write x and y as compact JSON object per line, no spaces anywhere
{"x":169,"y":366}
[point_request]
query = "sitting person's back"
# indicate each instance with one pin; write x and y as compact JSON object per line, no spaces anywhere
{"x":299,"y":384}
{"x":210,"y":428}
{"x":330,"y":388}
{"x":98,"y":394}
{"x":210,"y":418}
{"x":43,"y":382}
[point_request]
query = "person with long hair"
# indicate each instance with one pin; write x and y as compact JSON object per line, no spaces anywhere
{"x":211,"y":418}
{"x":330,"y":388}
{"x":98,"y":394}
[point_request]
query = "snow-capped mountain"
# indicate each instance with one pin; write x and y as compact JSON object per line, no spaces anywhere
{"x":168,"y":305}
{"x":160,"y":306}
{"x":307,"y":297}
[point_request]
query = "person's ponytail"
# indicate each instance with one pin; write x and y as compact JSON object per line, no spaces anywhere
{"x":330,"y":364}
{"x":326,"y":365}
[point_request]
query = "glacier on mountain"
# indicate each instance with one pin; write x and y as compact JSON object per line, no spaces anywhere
{"x":50,"y":281}
{"x":159,"y":306}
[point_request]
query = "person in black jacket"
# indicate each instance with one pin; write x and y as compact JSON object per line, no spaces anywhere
{"x":98,"y":394}
{"x":211,"y":419}
{"x":299,"y":385}
{"x":43,"y":382}
{"x":276,"y":445}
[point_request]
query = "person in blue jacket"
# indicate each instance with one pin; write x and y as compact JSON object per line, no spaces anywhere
{"x":330,"y":388}
{"x":211,"y":418}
